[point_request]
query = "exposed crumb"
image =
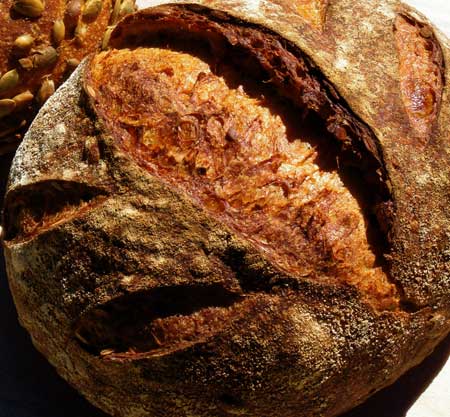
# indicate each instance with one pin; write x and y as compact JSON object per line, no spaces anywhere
{"x":246,"y":161}
{"x":420,"y":70}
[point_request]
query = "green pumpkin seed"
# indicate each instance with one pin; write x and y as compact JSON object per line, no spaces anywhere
{"x":59,"y":31}
{"x":45,"y":57}
{"x":72,"y":14}
{"x":46,"y":90}
{"x":24,"y":42}
{"x":72,"y":63}
{"x":23,"y":99}
{"x":80,"y":33}
{"x":7,"y":106}
{"x":107,"y":37}
{"x":92,"y":8}
{"x":115,"y":11}
{"x":9,"y":80}
{"x":29,"y":8}
{"x":127,"y":7}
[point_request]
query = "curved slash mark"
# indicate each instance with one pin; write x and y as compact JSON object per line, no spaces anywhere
{"x":36,"y":208}
{"x":157,"y":321}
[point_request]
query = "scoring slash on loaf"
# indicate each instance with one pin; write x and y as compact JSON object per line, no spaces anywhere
{"x":42,"y":43}
{"x":239,"y":210}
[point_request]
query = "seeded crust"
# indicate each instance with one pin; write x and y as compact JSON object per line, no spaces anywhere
{"x":150,"y":300}
{"x":58,"y":39}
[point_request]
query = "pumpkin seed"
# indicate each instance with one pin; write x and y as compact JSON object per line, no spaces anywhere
{"x":72,"y":63}
{"x":106,"y":352}
{"x":24,"y":41}
{"x":127,"y":7}
{"x":59,"y":31}
{"x":45,"y":57}
{"x":9,"y":80}
{"x":7,"y":106}
{"x":115,"y":11}
{"x":29,"y":8}
{"x":107,"y":37}
{"x":72,"y":14}
{"x":80,"y":33}
{"x":46,"y":90}
{"x":92,"y":8}
{"x":90,"y":91}
{"x":23,"y":99}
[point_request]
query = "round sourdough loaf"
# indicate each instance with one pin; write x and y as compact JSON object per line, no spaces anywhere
{"x":42,"y":42}
{"x":239,"y":209}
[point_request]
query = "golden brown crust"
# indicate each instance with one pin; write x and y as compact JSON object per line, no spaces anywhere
{"x":260,"y":340}
{"x":41,"y":50}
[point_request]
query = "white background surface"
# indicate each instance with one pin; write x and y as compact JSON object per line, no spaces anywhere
{"x":435,"y":401}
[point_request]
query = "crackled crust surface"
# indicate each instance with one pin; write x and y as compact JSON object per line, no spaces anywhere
{"x":125,"y":236}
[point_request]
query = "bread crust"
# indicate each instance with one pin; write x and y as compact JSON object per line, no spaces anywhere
{"x":287,"y":345}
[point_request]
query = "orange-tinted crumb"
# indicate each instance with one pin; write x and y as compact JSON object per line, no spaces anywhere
{"x":420,"y":73}
{"x":245,"y":157}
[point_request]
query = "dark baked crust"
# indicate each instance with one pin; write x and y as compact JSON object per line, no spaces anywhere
{"x":259,"y":341}
{"x":58,"y":39}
